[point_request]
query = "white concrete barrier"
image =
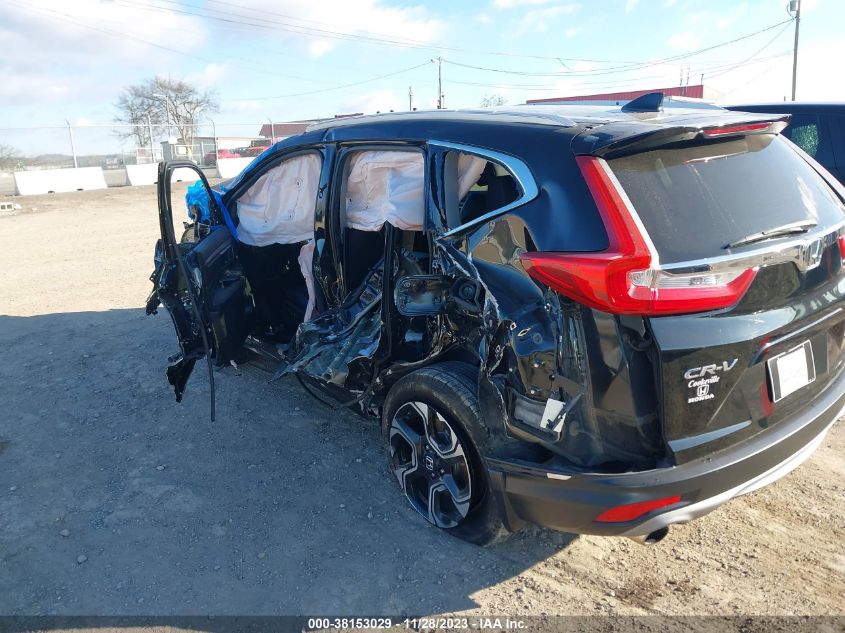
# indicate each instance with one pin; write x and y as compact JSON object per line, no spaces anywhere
{"x":142,"y":174}
{"x":231,"y":167}
{"x":28,"y":183}
{"x":184,"y":174}
{"x":116,"y":177}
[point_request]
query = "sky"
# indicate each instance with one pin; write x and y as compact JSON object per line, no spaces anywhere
{"x":300,"y":59}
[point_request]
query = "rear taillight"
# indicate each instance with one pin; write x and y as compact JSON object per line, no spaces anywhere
{"x":631,"y":511}
{"x":625,"y":277}
{"x":842,"y":246}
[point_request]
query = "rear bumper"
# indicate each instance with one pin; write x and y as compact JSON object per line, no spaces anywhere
{"x":570,"y":501}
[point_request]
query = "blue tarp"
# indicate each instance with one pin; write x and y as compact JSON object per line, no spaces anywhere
{"x":197,"y":200}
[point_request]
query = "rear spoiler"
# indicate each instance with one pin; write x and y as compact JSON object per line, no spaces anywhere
{"x":653,"y":131}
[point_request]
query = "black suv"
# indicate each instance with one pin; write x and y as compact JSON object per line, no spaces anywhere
{"x":817,"y":128}
{"x":603,"y":321}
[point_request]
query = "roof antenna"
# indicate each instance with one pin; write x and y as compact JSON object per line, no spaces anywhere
{"x":649,"y":102}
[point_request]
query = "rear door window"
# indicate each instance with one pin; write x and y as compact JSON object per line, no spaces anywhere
{"x":695,"y":199}
{"x":476,"y":186}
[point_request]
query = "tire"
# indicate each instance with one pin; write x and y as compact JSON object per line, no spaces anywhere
{"x":435,"y":438}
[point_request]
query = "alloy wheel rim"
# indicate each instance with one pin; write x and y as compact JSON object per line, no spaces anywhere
{"x":430,"y":464}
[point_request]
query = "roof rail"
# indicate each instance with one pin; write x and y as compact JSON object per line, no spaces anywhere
{"x":649,"y":102}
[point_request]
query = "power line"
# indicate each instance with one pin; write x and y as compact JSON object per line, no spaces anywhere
{"x":754,"y":54}
{"x":618,"y":69}
{"x":321,"y":90}
{"x":123,"y":35}
{"x":116,"y":33}
{"x":616,"y":85}
{"x":351,"y":34}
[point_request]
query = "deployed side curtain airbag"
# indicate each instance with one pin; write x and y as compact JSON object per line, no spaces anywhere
{"x":470,"y":168}
{"x":306,"y":262}
{"x":279,"y":207}
{"x":385,"y":186}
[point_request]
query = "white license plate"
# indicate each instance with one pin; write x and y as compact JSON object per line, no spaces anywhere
{"x":791,"y":371}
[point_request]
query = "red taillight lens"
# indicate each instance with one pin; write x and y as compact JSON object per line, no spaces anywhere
{"x":621,"y":279}
{"x":842,"y":246}
{"x":631,"y":511}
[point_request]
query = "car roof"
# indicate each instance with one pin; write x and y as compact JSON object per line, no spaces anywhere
{"x":547,"y":115}
{"x":528,"y":131}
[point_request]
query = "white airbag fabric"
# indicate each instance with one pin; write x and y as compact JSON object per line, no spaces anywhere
{"x":306,"y":261}
{"x":470,"y":168}
{"x":385,"y":186}
{"x":279,"y":207}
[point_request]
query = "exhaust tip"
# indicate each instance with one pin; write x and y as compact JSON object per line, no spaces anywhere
{"x":652,"y":538}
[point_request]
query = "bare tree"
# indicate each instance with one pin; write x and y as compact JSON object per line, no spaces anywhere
{"x":9,"y":157}
{"x":162,"y":101}
{"x":493,"y":100}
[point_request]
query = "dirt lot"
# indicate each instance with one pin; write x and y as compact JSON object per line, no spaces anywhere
{"x":116,"y":500}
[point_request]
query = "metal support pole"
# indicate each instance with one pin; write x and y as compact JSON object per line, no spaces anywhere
{"x":214,"y":135}
{"x":72,"y":144}
{"x":272,"y":131}
{"x":795,"y":49}
{"x":150,"y":127}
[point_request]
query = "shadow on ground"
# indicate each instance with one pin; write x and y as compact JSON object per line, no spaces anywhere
{"x":114,"y":499}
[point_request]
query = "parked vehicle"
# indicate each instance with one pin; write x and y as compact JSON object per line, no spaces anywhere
{"x":257,"y":146}
{"x":603,"y":321}
{"x":817,"y":128}
{"x":211,"y":157}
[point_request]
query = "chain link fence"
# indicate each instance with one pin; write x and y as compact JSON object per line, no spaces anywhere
{"x":114,"y":146}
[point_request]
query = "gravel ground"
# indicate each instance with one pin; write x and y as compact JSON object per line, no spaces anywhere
{"x":116,"y":500}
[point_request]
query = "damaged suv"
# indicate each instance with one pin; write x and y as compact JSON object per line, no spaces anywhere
{"x":603,"y":321}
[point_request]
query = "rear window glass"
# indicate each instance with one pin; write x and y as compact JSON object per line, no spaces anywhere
{"x":695,"y":200}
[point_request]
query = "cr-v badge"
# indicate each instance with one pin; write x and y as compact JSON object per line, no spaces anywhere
{"x":701,"y":379}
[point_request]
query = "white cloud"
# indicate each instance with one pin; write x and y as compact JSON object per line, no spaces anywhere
{"x":772,"y":80}
{"x":483,"y":18}
{"x":572,"y":32}
{"x":686,"y":40}
{"x":630,"y":5}
{"x":539,"y":20}
{"x":730,"y":17}
{"x":584,"y":66}
{"x":253,"y":105}
{"x":209,"y":78}
{"x":50,"y":55}
{"x":346,"y":19}
{"x":669,"y":3}
{"x":372,"y":102}
{"x":510,"y":4}
{"x":318,"y":48}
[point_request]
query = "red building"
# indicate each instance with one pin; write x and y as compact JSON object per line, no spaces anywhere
{"x":698,"y":91}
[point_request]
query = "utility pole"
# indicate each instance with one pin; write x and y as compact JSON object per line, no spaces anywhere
{"x":410,"y":98}
{"x":439,"y":62}
{"x":795,"y":6}
{"x":72,"y":144}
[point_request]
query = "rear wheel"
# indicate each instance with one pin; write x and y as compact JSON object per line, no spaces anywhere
{"x":435,"y":440}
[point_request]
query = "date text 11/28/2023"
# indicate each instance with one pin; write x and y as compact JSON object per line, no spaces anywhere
{"x":427,"y":623}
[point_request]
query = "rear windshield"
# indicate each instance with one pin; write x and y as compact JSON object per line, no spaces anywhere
{"x":695,"y":200}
